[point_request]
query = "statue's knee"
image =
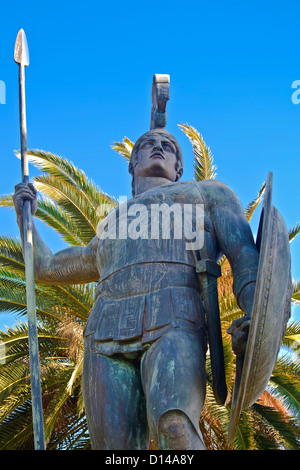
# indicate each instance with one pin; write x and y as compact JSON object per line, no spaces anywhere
{"x":174,"y":431}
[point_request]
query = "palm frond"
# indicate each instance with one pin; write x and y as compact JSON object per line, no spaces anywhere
{"x":70,"y":190}
{"x":214,"y":422}
{"x":124,"y":148}
{"x":58,"y":399}
{"x":63,"y":170}
{"x":54,"y":216}
{"x":76,"y":300}
{"x":294,"y":231}
{"x":74,"y":436}
{"x":284,"y":384}
{"x":291,"y":338}
{"x":6,"y":200}
{"x":76,"y":374}
{"x":11,"y":255}
{"x":277,"y":429}
{"x":11,"y":377}
{"x":296,"y":292}
{"x":59,"y":220}
{"x":16,"y":429}
{"x":69,"y":198}
{"x":203,"y":159}
{"x":244,"y":439}
{"x":254,"y":204}
{"x":15,"y":342}
{"x":13,"y":299}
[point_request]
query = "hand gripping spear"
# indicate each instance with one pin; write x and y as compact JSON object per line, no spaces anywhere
{"x":21,"y":57}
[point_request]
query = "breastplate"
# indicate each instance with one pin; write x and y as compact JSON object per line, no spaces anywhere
{"x":154,"y":227}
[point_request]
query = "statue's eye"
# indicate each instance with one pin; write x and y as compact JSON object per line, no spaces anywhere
{"x":168,"y":147}
{"x":147,"y":145}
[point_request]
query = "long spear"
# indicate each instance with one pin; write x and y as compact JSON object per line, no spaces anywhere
{"x":21,"y":56}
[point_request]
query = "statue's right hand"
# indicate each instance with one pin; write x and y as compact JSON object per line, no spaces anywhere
{"x":24,"y":192}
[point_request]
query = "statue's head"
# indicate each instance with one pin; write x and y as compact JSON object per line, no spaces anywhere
{"x":156,"y":154}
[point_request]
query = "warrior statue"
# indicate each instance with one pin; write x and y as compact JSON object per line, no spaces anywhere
{"x":156,"y":299}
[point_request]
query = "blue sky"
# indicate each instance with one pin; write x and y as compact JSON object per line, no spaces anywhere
{"x":232,"y":65}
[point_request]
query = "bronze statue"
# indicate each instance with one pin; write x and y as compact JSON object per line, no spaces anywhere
{"x":156,"y":299}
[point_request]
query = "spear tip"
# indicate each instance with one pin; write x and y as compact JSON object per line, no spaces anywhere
{"x":21,"y":54}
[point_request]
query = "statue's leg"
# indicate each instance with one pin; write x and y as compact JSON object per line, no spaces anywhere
{"x":176,"y":432}
{"x":174,"y":379}
{"x":114,"y":402}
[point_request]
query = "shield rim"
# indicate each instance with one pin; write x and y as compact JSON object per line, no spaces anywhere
{"x":244,"y":363}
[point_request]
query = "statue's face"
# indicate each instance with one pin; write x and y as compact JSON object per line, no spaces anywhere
{"x":156,"y":157}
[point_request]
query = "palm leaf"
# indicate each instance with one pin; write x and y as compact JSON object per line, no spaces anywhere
{"x":54,"y":216}
{"x":63,"y":170}
{"x":13,"y":299}
{"x":294,"y":231}
{"x":11,"y":255}
{"x":244,"y":439}
{"x":16,"y":428}
{"x":76,"y":300}
{"x":284,"y":383}
{"x":70,"y":199}
{"x":74,"y":436}
{"x":6,"y":200}
{"x":59,"y":220}
{"x":255,"y":203}
{"x":291,"y":338}
{"x":76,"y":374}
{"x":76,"y":196}
{"x":11,"y":377}
{"x":15,"y":342}
{"x":124,"y":148}
{"x":296,"y":293}
{"x":85,"y":216}
{"x":277,"y":429}
{"x":59,"y":399}
{"x":203,"y":159}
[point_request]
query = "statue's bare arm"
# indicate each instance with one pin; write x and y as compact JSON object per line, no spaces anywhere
{"x":236,"y":241}
{"x":70,"y":266}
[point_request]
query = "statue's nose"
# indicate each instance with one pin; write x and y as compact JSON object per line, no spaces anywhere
{"x":157,"y":145}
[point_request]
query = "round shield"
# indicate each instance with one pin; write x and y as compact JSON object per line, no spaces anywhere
{"x":270,"y":312}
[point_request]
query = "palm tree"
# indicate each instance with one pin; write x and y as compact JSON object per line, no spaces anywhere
{"x":69,"y":203}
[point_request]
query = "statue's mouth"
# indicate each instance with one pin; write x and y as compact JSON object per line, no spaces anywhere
{"x":157,"y":155}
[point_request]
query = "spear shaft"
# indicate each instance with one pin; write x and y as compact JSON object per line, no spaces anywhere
{"x":22,"y":59}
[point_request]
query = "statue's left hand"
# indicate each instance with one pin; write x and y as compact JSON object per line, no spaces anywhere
{"x":239,"y":330}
